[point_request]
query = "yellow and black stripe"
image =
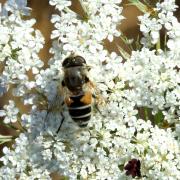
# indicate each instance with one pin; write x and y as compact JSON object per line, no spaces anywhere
{"x":79,"y":110}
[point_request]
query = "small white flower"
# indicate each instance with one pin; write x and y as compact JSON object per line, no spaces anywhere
{"x":10,"y":112}
{"x":60,"y":5}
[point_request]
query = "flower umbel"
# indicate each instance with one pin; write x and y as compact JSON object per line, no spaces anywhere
{"x":134,"y":135}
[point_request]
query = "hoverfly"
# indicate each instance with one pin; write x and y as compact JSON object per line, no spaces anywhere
{"x":78,"y":90}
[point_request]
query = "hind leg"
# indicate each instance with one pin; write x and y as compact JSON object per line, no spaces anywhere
{"x":62,"y":120}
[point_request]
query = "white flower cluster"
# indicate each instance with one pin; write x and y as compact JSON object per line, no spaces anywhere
{"x":97,"y":152}
{"x":155,"y":75}
{"x":159,"y":151}
{"x":79,"y":32}
{"x":113,"y":137}
{"x":155,"y":79}
{"x":20,"y":163}
{"x":10,"y":112}
{"x":157,"y":19}
{"x":19,"y":46}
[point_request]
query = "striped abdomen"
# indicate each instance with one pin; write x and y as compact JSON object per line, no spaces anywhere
{"x":80,"y":109}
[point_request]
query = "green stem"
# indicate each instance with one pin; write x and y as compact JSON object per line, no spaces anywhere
{"x":22,"y":128}
{"x":158,"y":44}
{"x":146,"y":113}
{"x":4,"y":139}
{"x":125,"y":40}
{"x":85,"y":15}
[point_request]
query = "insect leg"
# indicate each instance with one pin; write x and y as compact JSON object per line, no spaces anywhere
{"x":96,"y":105}
{"x":62,"y":120}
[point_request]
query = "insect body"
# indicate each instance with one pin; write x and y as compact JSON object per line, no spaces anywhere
{"x":79,"y":97}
